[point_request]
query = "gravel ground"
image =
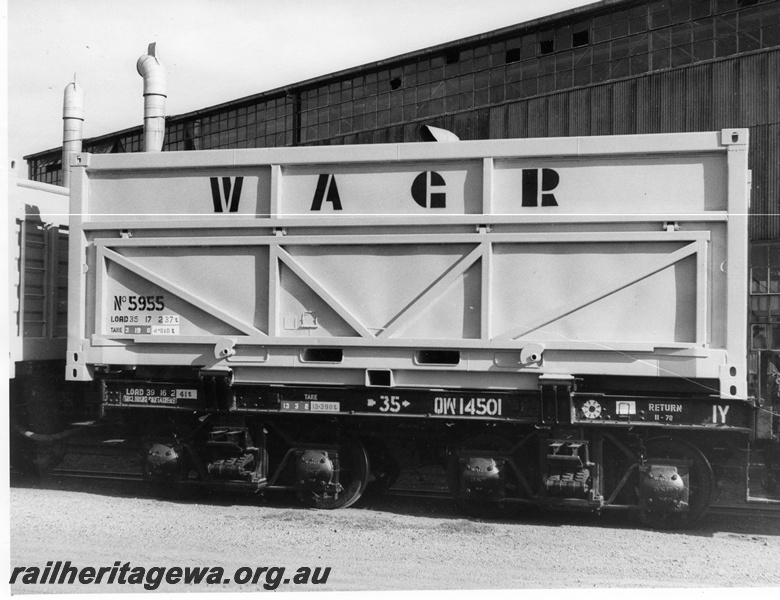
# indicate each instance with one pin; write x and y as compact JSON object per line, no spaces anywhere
{"x":385,"y":543}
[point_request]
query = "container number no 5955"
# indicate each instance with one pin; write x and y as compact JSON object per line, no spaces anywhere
{"x":131,"y":303}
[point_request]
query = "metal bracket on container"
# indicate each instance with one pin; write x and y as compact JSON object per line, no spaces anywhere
{"x":79,"y":160}
{"x":224,"y":348}
{"x":309,"y":321}
{"x":531,"y":355}
{"x":729,"y":137}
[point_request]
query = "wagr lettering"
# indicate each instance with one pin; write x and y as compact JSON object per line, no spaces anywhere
{"x":537,"y":185}
{"x":227,"y":196}
{"x":427,"y":190}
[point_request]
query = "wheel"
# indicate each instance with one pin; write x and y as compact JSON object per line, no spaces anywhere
{"x":163,"y":465}
{"x":487,"y":508}
{"x":33,"y":458}
{"x":700,"y":483}
{"x":384,"y":468}
{"x":771,"y":468}
{"x":354,"y":473}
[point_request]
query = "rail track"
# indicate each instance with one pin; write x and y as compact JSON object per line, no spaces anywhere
{"x":97,"y":475}
{"x":764,"y":509}
{"x":754,"y":510}
{"x":120,"y":452}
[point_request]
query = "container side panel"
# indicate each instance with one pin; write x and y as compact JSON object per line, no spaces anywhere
{"x":136,"y":306}
{"x":202,"y":193}
{"x":232,"y":278}
{"x":454,"y":315}
{"x":594,"y":292}
{"x":303,"y":311}
{"x":628,"y":186}
{"x":378,"y":283}
{"x":609,"y":255}
{"x":412,"y":189}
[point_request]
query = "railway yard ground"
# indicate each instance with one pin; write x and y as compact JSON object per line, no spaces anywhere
{"x":390,"y":542}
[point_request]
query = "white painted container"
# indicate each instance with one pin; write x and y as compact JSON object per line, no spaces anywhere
{"x":472,"y":265}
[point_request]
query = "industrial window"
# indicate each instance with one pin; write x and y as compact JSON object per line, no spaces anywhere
{"x":764,"y":318}
{"x":546,"y":46}
{"x":765,"y":296}
{"x":513,"y":55}
{"x":652,"y":35}
{"x":579,"y":38}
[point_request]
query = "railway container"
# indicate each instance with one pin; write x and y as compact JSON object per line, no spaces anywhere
{"x":559,"y":322}
{"x":40,"y":405}
{"x":38,"y":267}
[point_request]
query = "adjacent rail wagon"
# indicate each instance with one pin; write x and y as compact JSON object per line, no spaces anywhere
{"x":40,"y":405}
{"x":556,"y":322}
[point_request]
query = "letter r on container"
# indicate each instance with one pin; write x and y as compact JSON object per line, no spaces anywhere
{"x":532,"y":190}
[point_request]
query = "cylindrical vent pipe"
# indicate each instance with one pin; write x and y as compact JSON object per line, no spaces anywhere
{"x":73,"y":126}
{"x":153,"y":72}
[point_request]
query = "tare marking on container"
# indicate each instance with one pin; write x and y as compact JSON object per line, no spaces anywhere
{"x":467,"y":406}
{"x":140,"y":324}
{"x":147,"y":330}
{"x":309,"y":406}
